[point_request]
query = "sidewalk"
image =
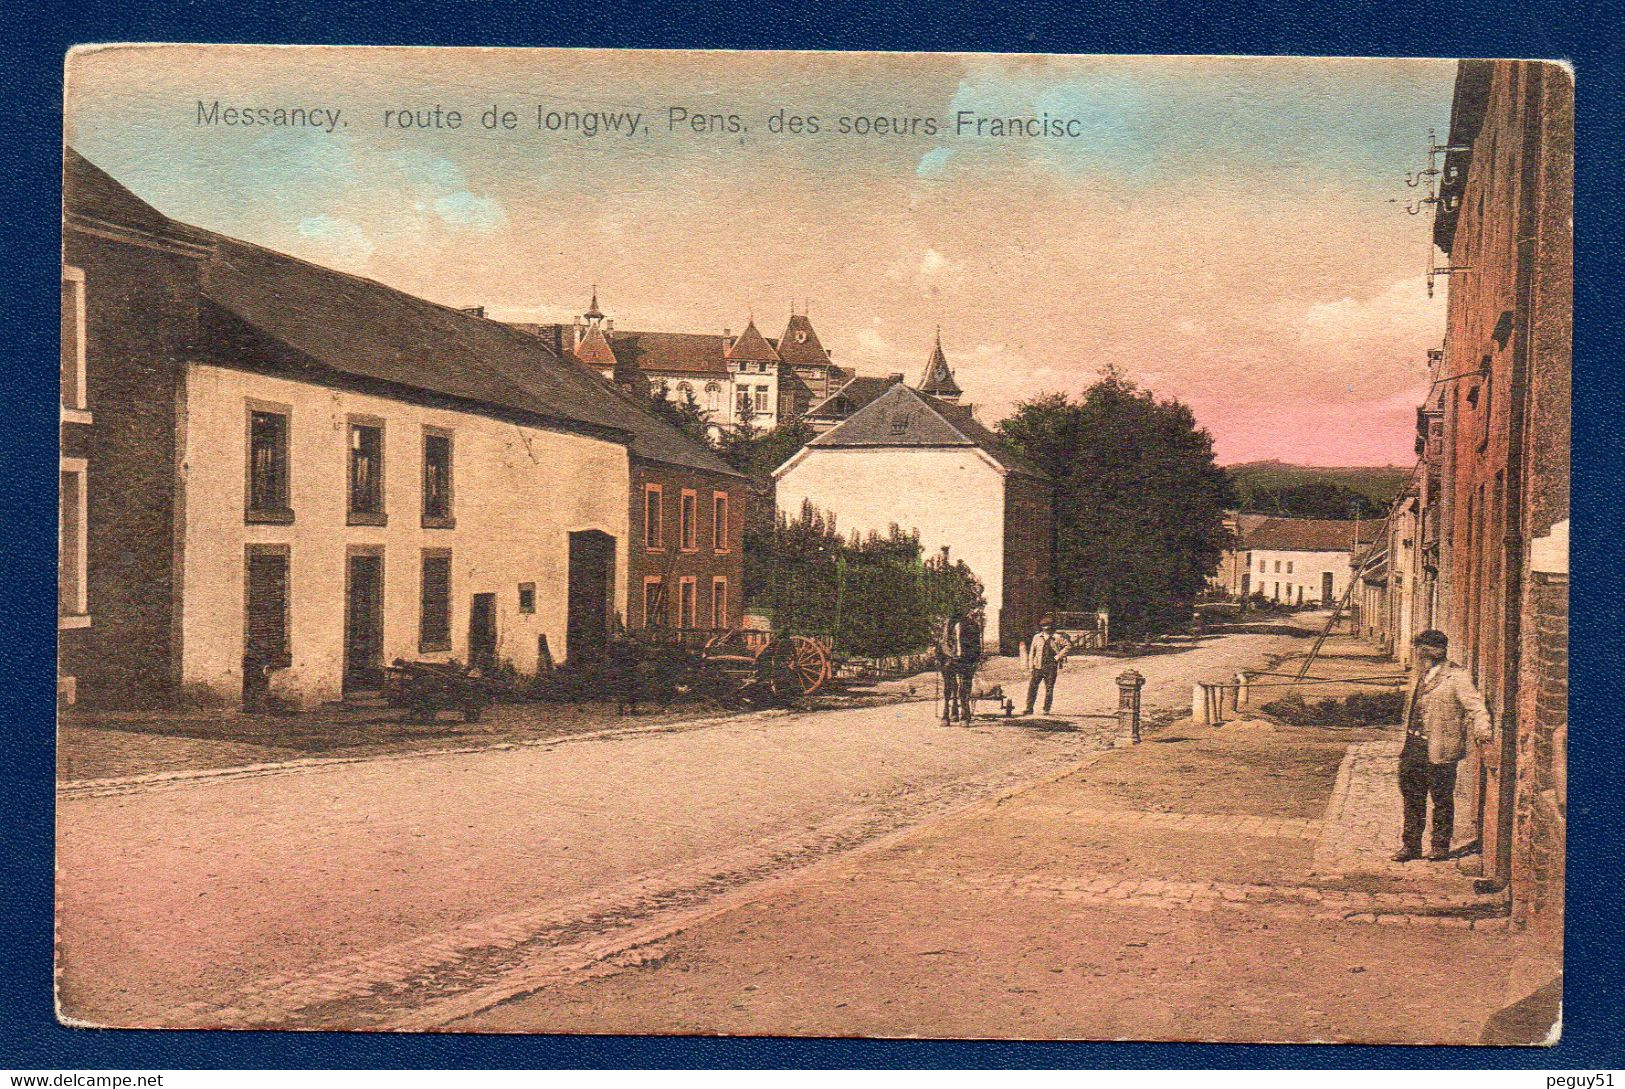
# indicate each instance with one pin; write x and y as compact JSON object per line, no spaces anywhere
{"x":1223,"y":884}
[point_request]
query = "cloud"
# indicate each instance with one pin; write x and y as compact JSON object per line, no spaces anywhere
{"x":464,"y":209}
{"x":336,"y":240}
{"x":1400,"y":312}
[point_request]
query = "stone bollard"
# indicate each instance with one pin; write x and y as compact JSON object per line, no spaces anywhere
{"x":1198,"y":705}
{"x":1241,"y":691}
{"x":1129,"y":684}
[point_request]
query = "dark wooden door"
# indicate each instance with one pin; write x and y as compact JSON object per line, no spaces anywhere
{"x":364,"y":624}
{"x":591,"y":589}
{"x":1325,"y":587}
{"x":482,"y":632}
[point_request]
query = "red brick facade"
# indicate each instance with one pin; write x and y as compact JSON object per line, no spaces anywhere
{"x":1505,"y":381}
{"x":715,"y":562}
{"x":1028,"y":512}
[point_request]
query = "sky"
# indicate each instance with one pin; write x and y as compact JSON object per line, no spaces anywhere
{"x":1231,"y":232}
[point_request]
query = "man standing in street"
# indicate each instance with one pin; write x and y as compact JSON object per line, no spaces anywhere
{"x":1045,"y":654}
{"x":1443,"y":708}
{"x":962,"y":643}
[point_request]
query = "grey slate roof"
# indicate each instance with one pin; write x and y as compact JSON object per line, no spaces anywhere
{"x":799,"y":346}
{"x":938,"y":378}
{"x":855,"y":394}
{"x":903,"y":417}
{"x":354,"y":326}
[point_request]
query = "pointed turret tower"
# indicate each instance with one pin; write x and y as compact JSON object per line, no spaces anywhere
{"x":938,"y":378}
{"x":592,"y":346}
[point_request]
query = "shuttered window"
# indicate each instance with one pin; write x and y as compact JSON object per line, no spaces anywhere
{"x":266,"y":637}
{"x":366,"y":473}
{"x":437,"y":479}
{"x":434,"y":623}
{"x":268,"y":466}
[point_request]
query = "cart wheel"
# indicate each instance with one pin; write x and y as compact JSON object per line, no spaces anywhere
{"x":797,"y":666}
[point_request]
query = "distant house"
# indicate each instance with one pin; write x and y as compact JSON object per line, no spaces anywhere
{"x":273,"y":470}
{"x":926,"y":464}
{"x":853,"y":394}
{"x":1293,"y":561}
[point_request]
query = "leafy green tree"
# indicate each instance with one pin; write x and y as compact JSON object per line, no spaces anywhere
{"x":756,"y":452}
{"x":1311,"y":499}
{"x":1139,"y":500}
{"x":683,"y":413}
{"x":872,"y":594}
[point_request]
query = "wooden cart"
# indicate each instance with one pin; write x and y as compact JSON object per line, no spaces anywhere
{"x":426,"y":688}
{"x":732,"y":666}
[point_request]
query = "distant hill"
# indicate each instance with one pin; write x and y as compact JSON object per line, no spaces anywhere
{"x":1313,"y":491}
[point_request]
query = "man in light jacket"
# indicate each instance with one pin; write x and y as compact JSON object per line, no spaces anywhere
{"x":1045,"y":654}
{"x":1444,"y":707}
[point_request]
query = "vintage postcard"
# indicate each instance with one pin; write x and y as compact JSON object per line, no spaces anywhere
{"x":814,"y":544}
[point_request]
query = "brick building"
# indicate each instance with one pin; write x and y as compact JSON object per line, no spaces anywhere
{"x":272,"y":469}
{"x":1497,"y":519}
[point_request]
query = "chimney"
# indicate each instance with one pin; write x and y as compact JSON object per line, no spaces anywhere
{"x":473,"y":311}
{"x":609,"y":326}
{"x":575,"y":335}
{"x":894,"y":378}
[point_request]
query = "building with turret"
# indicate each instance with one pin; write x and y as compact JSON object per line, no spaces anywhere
{"x":749,"y":379}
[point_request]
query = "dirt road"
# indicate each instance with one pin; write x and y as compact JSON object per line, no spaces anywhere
{"x":405,"y":892}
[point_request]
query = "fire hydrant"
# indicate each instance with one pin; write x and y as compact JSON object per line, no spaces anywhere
{"x":1129,"y":684}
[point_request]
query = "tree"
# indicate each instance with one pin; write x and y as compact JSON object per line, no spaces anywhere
{"x":1311,"y":499}
{"x":1139,"y":500}
{"x":756,"y":452}
{"x":871,"y":594}
{"x":685,"y":413}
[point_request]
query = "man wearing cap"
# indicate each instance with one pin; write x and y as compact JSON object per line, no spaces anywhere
{"x":1045,"y":654}
{"x":1443,"y":708}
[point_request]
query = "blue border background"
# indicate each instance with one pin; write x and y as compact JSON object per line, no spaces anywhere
{"x":30,"y":140}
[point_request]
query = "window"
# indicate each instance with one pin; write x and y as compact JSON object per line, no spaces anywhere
{"x":719,"y":602}
{"x":527,"y":597}
{"x":1289,"y":567}
{"x":653,"y":537}
{"x":266,"y":603}
{"x":437,"y":479}
{"x":685,"y":393}
{"x":687,"y":516}
{"x":719,"y":521}
{"x":73,"y":345}
{"x":713,"y":396}
{"x":366,"y":472}
{"x":686,"y":592}
{"x":654,"y":602}
{"x":762,"y":403}
{"x":1483,"y":402}
{"x":1277,"y":566}
{"x":1263,"y":565}
{"x":72,"y":567}
{"x":268,"y":430}
{"x":742,"y":401}
{"x":434,"y":601}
